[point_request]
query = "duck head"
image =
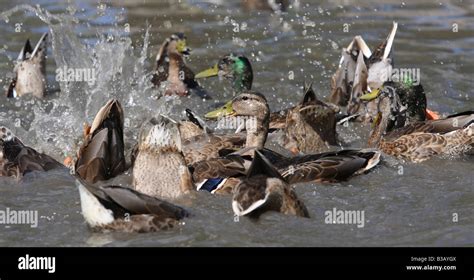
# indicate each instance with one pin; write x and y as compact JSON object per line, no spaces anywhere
{"x":236,"y":68}
{"x":251,"y":109}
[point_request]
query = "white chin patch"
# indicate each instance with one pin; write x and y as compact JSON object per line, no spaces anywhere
{"x":93,"y":211}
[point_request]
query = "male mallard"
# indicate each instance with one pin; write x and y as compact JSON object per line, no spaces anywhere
{"x":114,"y":208}
{"x":30,"y":70}
{"x":263,"y":189}
{"x":172,"y":69}
{"x":16,"y":159}
{"x":236,"y":68}
{"x":421,"y":140}
{"x":160,"y":169}
{"x":409,"y":103}
{"x":101,"y":156}
{"x":311,"y":125}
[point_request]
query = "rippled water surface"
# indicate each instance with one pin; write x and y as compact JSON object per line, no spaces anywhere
{"x":415,"y":208}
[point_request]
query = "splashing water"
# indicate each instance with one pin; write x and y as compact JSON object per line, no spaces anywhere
{"x":55,"y":124}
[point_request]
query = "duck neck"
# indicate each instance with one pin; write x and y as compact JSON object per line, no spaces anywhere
{"x":257,"y":130}
{"x":175,"y":64}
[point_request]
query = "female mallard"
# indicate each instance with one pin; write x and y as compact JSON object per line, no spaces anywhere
{"x":421,"y":140}
{"x":114,"y":208}
{"x":332,"y":166}
{"x":160,"y":169}
{"x":30,"y":70}
{"x":16,"y":159}
{"x":101,"y":156}
{"x":263,"y":189}
{"x":311,"y":125}
{"x":172,"y":70}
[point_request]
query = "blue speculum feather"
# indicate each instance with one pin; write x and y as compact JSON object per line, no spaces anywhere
{"x":211,"y":184}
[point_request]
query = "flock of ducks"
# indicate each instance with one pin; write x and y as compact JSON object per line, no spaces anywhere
{"x":174,"y":158}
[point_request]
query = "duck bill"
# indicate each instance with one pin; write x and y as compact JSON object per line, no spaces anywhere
{"x":211,"y":72}
{"x":223,"y":111}
{"x":370,"y":96}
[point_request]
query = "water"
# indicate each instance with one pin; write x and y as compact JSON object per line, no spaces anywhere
{"x":412,"y":209}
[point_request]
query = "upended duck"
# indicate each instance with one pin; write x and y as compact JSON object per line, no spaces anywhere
{"x":160,"y":168}
{"x":212,"y":175}
{"x":115,"y":208}
{"x":17,"y":159}
{"x":264,"y":189}
{"x":101,"y":156}
{"x":171,"y":70}
{"x":30,"y":70}
{"x":421,"y":140}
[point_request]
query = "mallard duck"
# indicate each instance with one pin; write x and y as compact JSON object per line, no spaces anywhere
{"x":332,"y":166}
{"x":271,"y":5}
{"x":409,"y":103}
{"x":421,"y":140}
{"x":16,"y":159}
{"x":101,"y":156}
{"x":263,"y":189}
{"x":160,"y":169}
{"x":311,"y":125}
{"x":172,"y":70}
{"x":114,"y":208}
{"x":253,"y":109}
{"x":234,"y":67}
{"x":30,"y":70}
{"x":360,"y":70}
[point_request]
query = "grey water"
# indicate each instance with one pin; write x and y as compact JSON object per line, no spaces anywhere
{"x":427,"y":204}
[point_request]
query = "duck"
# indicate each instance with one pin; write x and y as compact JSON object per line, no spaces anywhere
{"x":263,"y":189}
{"x":171,"y":71}
{"x":310,"y":127}
{"x":101,"y":155}
{"x":234,"y":67}
{"x":160,"y":169}
{"x":419,"y":141}
{"x":17,"y":159}
{"x":323,"y":167}
{"x":361,"y":70}
{"x":30,"y":71}
{"x":121,"y":209}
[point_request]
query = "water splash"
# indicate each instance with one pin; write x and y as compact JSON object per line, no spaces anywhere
{"x":55,"y":124}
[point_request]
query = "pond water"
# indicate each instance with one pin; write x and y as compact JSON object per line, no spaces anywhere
{"x":120,"y":40}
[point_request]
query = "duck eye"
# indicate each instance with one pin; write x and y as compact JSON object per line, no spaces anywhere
{"x":245,"y":98}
